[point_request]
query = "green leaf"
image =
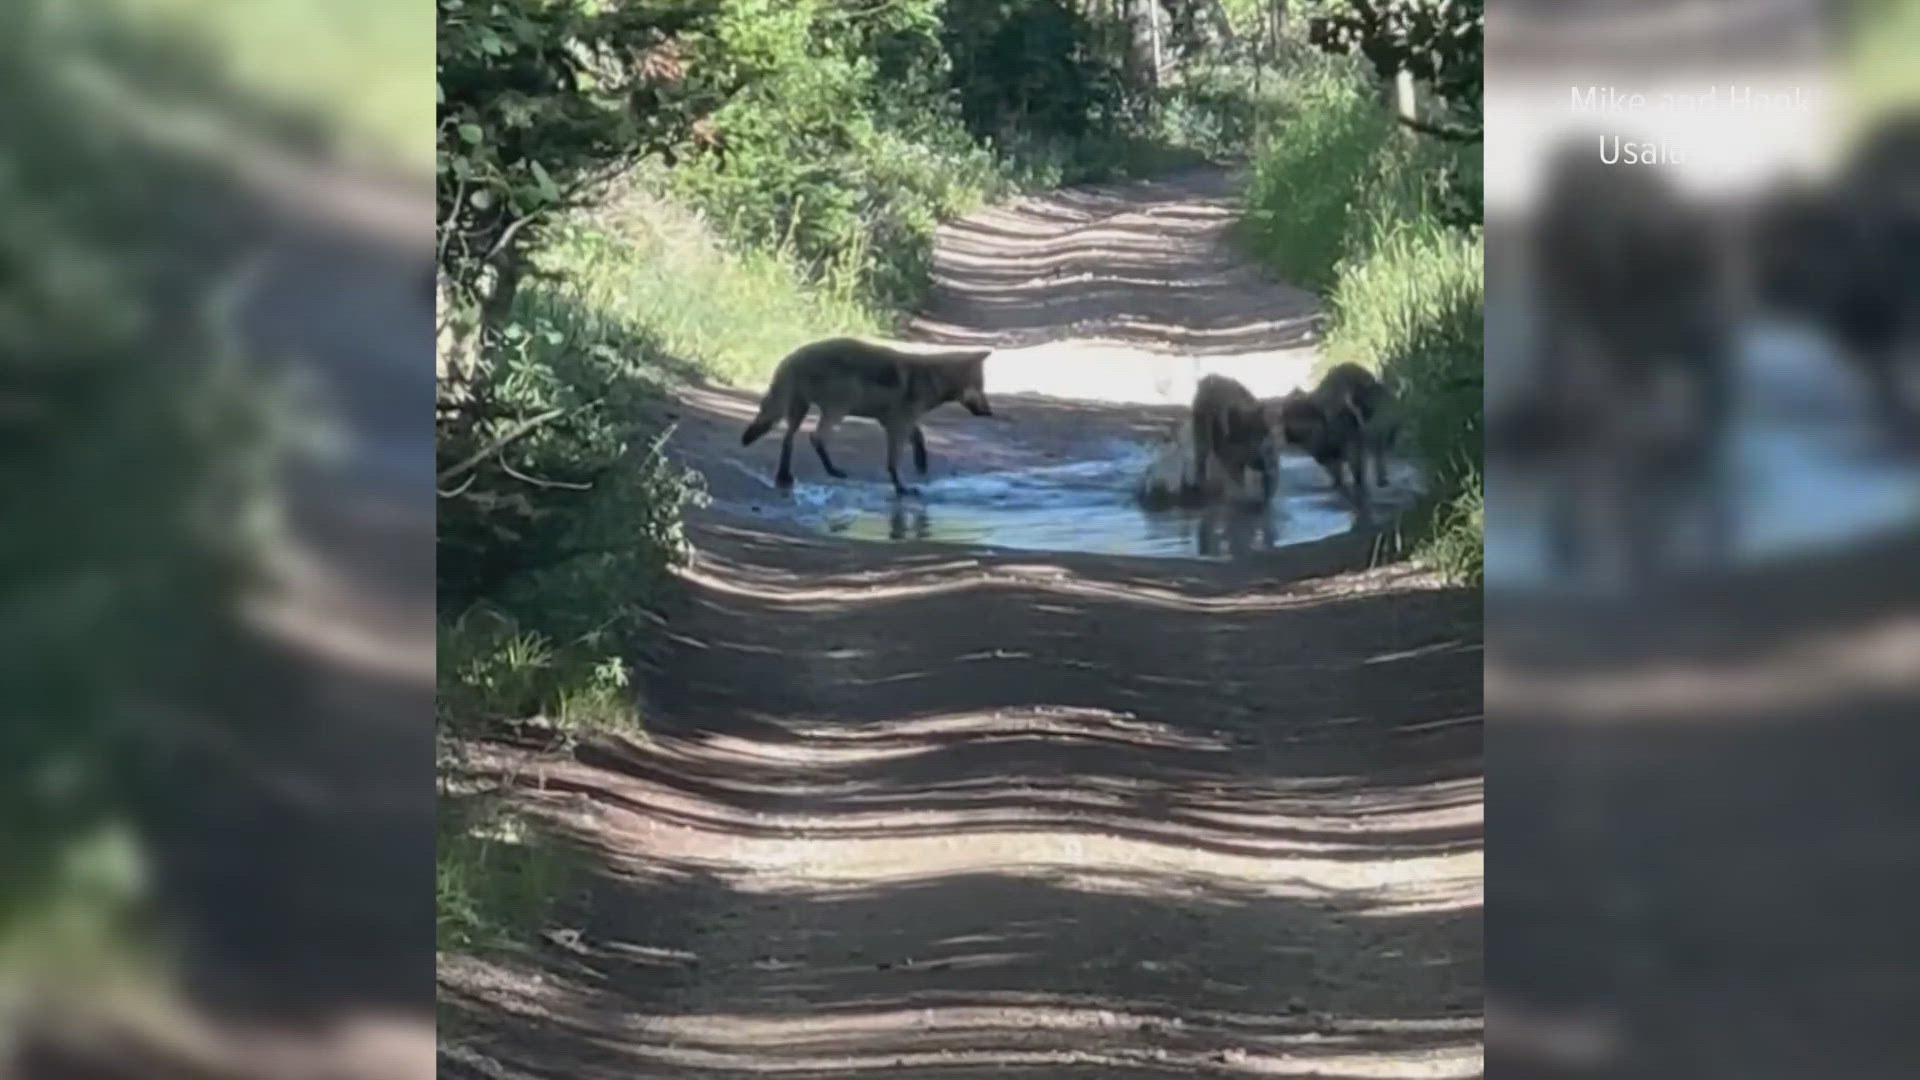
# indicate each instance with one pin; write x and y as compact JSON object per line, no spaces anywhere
{"x":547,"y":186}
{"x":472,"y":132}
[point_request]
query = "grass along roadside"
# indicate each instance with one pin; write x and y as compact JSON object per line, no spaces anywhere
{"x":545,"y":620}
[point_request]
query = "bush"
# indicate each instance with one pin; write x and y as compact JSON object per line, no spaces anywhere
{"x":1323,"y":145}
{"x":494,"y":876}
{"x":565,"y":533}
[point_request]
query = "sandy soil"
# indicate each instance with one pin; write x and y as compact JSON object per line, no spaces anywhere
{"x":926,"y":810}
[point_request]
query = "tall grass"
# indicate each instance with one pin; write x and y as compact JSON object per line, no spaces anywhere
{"x":495,"y":877}
{"x":1410,"y":309}
{"x":1342,"y":201}
{"x":654,"y":267}
{"x":1321,"y":148}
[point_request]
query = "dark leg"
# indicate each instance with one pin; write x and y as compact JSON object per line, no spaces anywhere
{"x":894,"y":439}
{"x":919,"y":451}
{"x":796,"y":413}
{"x":1357,"y":461}
{"x":822,"y":427}
{"x":1200,"y":455}
{"x":1335,"y":475}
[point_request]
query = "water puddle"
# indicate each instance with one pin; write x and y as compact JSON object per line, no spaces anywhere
{"x":1081,"y":506}
{"x":1807,"y":469}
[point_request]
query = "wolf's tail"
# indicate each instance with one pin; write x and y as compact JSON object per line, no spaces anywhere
{"x":772,"y":406}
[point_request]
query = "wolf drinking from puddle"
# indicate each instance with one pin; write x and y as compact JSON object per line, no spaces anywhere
{"x":1225,"y":436}
{"x":849,"y":377}
{"x":1349,"y":417}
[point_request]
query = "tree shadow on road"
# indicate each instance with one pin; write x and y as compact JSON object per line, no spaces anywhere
{"x":967,"y":823}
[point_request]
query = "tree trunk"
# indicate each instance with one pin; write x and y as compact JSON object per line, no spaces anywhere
{"x":1154,"y":20}
{"x":1216,"y":11}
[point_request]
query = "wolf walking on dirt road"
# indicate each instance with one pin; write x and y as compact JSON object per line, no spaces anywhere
{"x":850,"y":377}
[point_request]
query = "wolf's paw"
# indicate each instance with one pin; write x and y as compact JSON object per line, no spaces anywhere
{"x":783,"y":481}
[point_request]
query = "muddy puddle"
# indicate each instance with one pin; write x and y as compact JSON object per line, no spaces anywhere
{"x":1807,"y":468}
{"x":1079,"y":506}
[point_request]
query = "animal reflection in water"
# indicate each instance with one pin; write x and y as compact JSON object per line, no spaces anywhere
{"x":1234,"y":530}
{"x":909,"y":522}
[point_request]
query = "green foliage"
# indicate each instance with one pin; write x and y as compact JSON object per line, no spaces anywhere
{"x":539,"y":100}
{"x":495,"y":876}
{"x":141,"y":444}
{"x":646,"y":263}
{"x":356,"y":63}
{"x":569,"y":529}
{"x":492,"y":671}
{"x":1040,"y":68}
{"x":1440,"y":43}
{"x":858,"y":128}
{"x":1216,"y":110}
{"x":849,"y":201}
{"x":1411,"y":307}
{"x":1455,"y":545}
{"x":1323,"y":146}
{"x":845,"y":148}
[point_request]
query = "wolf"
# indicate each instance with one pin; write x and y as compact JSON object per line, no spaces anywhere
{"x":1844,"y":257}
{"x":1634,"y":354}
{"x":1232,"y":429}
{"x":1348,"y":416}
{"x":849,"y":377}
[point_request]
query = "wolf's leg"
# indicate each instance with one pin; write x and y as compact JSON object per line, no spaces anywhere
{"x":1333,"y":469}
{"x":919,"y":450}
{"x":895,"y":437}
{"x":796,"y":413}
{"x":823,"y":427}
{"x":1202,"y":449}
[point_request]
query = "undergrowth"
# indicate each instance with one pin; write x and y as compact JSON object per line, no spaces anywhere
{"x":495,"y":876}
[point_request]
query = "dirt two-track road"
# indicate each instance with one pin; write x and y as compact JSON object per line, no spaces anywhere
{"x":927,"y":810}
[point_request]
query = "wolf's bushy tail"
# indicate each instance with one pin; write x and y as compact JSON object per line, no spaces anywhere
{"x":772,"y":406}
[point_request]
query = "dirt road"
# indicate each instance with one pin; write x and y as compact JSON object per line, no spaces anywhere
{"x":920,"y":809}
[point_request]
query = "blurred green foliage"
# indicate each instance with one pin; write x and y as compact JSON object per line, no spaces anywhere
{"x":140,"y":451}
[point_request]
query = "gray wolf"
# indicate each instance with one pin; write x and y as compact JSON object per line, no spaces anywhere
{"x":1844,"y":256}
{"x":1232,"y":430}
{"x":1348,"y":416}
{"x":848,"y":377}
{"x":1634,"y":348}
